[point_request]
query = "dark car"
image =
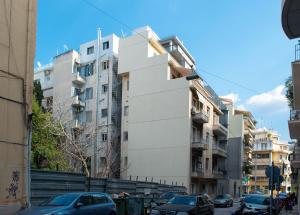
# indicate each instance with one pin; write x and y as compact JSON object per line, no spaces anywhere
{"x":165,"y":197}
{"x":185,"y":205}
{"x":223,"y":201}
{"x":75,"y":204}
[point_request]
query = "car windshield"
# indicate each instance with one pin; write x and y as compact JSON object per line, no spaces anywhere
{"x":183,"y":200}
{"x":62,"y":200}
{"x":221,"y":197}
{"x":260,"y":200}
{"x":167,"y":195}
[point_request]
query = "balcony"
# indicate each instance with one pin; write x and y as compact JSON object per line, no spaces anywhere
{"x":197,"y":173}
{"x":217,"y":149}
{"x":78,"y":79}
{"x":294,"y":124}
{"x":219,"y":129}
{"x":218,"y":174}
{"x":295,"y":158}
{"x":199,"y":143}
{"x":199,"y":116}
{"x":77,"y":125}
{"x":77,"y":102}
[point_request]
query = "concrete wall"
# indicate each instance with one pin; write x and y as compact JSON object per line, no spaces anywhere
{"x":17,"y":48}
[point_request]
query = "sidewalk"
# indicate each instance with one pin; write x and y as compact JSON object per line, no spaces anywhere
{"x":293,"y":212}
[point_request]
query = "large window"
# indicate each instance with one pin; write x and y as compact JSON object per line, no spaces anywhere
{"x":90,"y":50}
{"x":89,"y":93}
{"x":106,"y":45}
{"x":262,"y":156}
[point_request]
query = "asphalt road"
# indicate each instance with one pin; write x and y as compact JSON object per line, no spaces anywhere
{"x":227,"y":211}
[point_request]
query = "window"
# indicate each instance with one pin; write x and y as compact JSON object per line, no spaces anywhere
{"x":206,"y":163}
{"x":88,"y":70}
{"x":104,"y":88}
{"x":89,"y":93}
{"x":88,"y":116}
{"x":103,"y":162}
{"x":126,"y":109}
{"x":104,"y":137}
{"x":208,"y":112}
{"x":106,"y":45}
{"x":104,"y":112}
{"x":280,"y":157}
{"x":207,"y":138}
{"x":126,"y":161}
{"x":97,"y":199}
{"x":125,"y":136}
{"x":85,"y":200}
{"x":262,"y":156}
{"x":88,"y":139}
{"x":105,"y":64}
{"x":90,"y":50}
{"x":127,"y":84}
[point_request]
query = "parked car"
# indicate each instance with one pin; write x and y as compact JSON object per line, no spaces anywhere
{"x":259,"y":204}
{"x":282,"y":195}
{"x":223,"y":201}
{"x":75,"y":204}
{"x":165,"y":197}
{"x":185,"y":205}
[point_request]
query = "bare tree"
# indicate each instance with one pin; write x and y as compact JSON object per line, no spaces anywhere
{"x":77,"y":138}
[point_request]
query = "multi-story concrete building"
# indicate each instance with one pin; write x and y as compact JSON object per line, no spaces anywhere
{"x":291,"y":26}
{"x":83,"y":87}
{"x":174,"y":130}
{"x":240,"y":147}
{"x":17,"y":50}
{"x":268,"y":148}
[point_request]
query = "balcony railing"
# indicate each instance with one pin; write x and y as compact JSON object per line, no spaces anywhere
{"x":78,"y":102}
{"x":77,"y":124}
{"x":294,"y":124}
{"x":217,"y":149}
{"x":199,"y":143}
{"x":78,"y":79}
{"x":219,"y":129}
{"x":197,"y":172}
{"x":199,"y":116}
{"x":218,"y":173}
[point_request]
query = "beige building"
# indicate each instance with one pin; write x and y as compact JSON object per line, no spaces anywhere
{"x":87,"y":98}
{"x":268,"y":148}
{"x":240,"y":147}
{"x":17,"y":49}
{"x":174,"y":130}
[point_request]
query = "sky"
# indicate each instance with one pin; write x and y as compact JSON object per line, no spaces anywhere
{"x":239,"y":46}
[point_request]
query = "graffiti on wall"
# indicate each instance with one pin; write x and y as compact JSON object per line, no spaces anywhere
{"x":14,"y":185}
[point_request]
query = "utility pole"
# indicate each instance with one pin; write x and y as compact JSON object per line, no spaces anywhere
{"x":97,"y":101}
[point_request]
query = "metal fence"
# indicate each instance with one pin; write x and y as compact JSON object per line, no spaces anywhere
{"x":45,"y":184}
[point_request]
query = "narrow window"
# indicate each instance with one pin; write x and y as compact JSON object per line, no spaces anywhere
{"x":125,"y":137}
{"x":105,"y":64}
{"x":104,"y":88}
{"x":89,"y":93}
{"x":104,"y":137}
{"x":104,"y":112}
{"x":126,"y":109}
{"x":88,"y":116}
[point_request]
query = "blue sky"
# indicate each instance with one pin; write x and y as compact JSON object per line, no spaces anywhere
{"x":241,"y":41}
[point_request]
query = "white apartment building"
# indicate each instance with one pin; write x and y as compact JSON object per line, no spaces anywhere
{"x":268,"y":148}
{"x":240,"y":148}
{"x":173,"y":129}
{"x":88,"y":98}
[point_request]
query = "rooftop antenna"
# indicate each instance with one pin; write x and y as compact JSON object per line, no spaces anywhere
{"x":66,"y":47}
{"x":297,"y":51}
{"x":123,"y":34}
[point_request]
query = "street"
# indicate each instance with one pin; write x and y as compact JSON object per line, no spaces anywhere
{"x":226,"y":211}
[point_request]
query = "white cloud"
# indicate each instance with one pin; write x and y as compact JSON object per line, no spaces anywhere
{"x":241,"y":107}
{"x":270,"y":102}
{"x":232,"y":96}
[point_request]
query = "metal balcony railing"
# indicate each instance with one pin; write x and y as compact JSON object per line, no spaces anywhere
{"x":199,"y":143}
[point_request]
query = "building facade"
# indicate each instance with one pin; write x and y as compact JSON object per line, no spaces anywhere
{"x":17,"y":50}
{"x":174,"y":130}
{"x":83,"y":90}
{"x":240,"y":148}
{"x":268,"y":148}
